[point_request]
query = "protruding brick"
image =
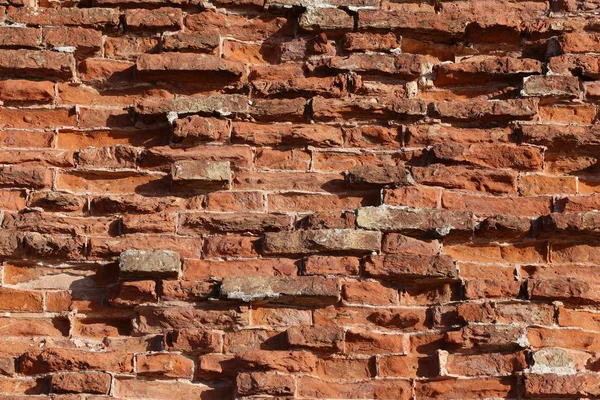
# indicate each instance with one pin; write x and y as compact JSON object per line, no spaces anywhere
{"x":149,"y":263}
{"x":298,"y":290}
{"x":201,"y":174}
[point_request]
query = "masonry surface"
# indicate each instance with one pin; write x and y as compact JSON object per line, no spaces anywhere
{"x":290,"y":199}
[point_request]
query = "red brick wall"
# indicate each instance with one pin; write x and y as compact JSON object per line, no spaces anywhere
{"x":359,"y":199}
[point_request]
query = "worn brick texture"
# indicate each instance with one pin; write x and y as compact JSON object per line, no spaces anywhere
{"x":299,"y":199}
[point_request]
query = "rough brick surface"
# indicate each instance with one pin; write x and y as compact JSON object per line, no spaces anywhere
{"x":299,"y":199}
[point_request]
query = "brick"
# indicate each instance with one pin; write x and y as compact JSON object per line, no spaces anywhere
{"x":288,"y":202}
{"x":217,"y":103}
{"x":17,"y":90}
{"x":189,"y":290}
{"x":558,"y":385}
{"x":240,"y":27}
{"x":309,"y":242}
{"x":491,"y":156}
{"x":551,"y":86}
{"x":235,"y":201}
{"x":145,"y":263}
{"x":428,"y":221}
{"x":410,"y":266}
{"x":402,"y":65}
{"x":578,"y":42}
{"x":20,"y":36}
{"x":467,"y":388}
{"x":485,"y":364}
{"x":326,"y":265}
{"x":311,"y":387}
{"x":67,"y":16}
{"x":284,"y":361}
{"x":100,"y":247}
{"x":280,"y":317}
{"x":302,"y":290}
{"x":164,"y":18}
{"x":20,"y":300}
{"x":372,"y":136}
{"x":164,"y":365}
{"x":364,"y":108}
{"x":209,"y":269}
{"x":359,"y":342}
{"x":490,"y":205}
{"x":424,"y":23}
{"x":202,"y":42}
{"x":364,"y":41}
{"x":89,"y":382}
{"x":320,"y":339}
{"x":564,"y":289}
{"x":408,"y":366}
{"x":567,"y":225}
{"x":227,"y":222}
{"x":196,"y":174}
{"x":476,"y":68}
{"x":412,"y":196}
{"x":194,"y":129}
{"x":487,"y":337}
{"x":372,"y":293}
{"x":128,"y":387}
{"x":387,"y":175}
{"x":573,"y":338}
{"x":466,"y":178}
{"x":553,"y":360}
{"x":105,"y":71}
{"x":34,"y":63}
{"x":504,"y":227}
{"x":193,"y":340}
{"x":187,"y":65}
{"x":491,"y":111}
{"x":80,"y":38}
{"x":326,"y":19}
{"x":580,"y":64}
{"x":284,"y":134}
{"x":256,"y":383}
{"x":154,"y":319}
{"x":56,"y":359}
{"x":130,"y":294}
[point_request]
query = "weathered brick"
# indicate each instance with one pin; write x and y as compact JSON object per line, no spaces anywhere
{"x":407,"y":266}
{"x":257,"y":383}
{"x":145,"y":263}
{"x":163,"y":18}
{"x":187,"y":66}
{"x":164,"y":365}
{"x":88,"y":382}
{"x":321,"y":339}
{"x":492,"y":111}
{"x":314,"y":241}
{"x":327,"y":19}
{"x":34,"y":63}
{"x":466,"y":178}
{"x":406,"y":220}
{"x":302,"y":290}
{"x":474,"y":69}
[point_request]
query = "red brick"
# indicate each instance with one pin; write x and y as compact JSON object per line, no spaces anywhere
{"x":160,"y":18}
